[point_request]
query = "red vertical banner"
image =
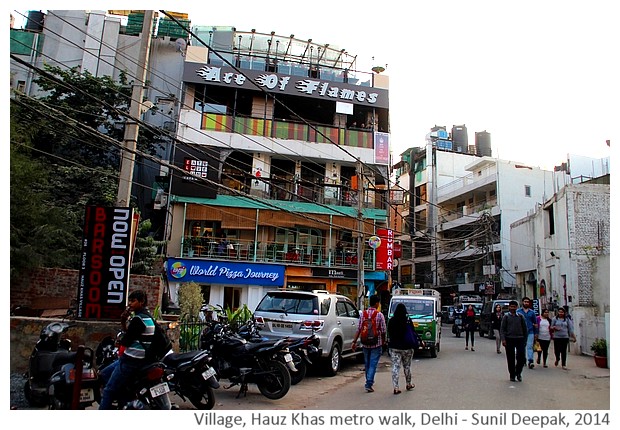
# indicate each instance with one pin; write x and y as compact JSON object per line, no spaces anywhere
{"x":385,"y":251}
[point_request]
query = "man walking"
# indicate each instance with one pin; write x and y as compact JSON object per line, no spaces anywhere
{"x":513,"y":332}
{"x":532,"y":328}
{"x":373,"y":351}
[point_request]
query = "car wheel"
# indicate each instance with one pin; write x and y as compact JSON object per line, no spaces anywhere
{"x":332,"y":362}
{"x":433,"y":351}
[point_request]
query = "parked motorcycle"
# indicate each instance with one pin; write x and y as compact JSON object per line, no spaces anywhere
{"x":149,"y":388}
{"x":242,"y":362}
{"x":457,"y":327}
{"x":192,"y":378}
{"x":61,"y":388}
{"x":48,"y":358}
{"x":303,"y":350}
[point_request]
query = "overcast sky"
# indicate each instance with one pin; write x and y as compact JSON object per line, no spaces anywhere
{"x":540,"y":76}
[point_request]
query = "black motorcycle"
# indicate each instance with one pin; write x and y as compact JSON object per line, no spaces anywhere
{"x":52,"y":357}
{"x":62,"y":384}
{"x":457,"y":327}
{"x":149,"y":389}
{"x":303,"y":351}
{"x":192,"y":378}
{"x":242,"y":362}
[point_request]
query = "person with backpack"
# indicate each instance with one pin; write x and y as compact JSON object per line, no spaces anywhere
{"x":139,"y":334}
{"x":371,"y":330}
{"x":513,"y":332}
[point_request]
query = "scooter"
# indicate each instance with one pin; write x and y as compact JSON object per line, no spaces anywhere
{"x":62,"y":384}
{"x":457,"y":327}
{"x":51,"y":352}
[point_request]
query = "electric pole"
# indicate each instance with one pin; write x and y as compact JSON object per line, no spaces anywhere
{"x":361,"y":290}
{"x":130,"y":140}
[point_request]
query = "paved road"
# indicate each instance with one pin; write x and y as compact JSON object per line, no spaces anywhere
{"x":456,"y":380}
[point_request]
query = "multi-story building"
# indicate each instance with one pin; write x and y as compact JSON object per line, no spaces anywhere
{"x":283,"y":154}
{"x":279,"y":149}
{"x":560,"y":252}
{"x":461,"y":206}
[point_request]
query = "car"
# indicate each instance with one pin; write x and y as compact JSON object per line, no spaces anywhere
{"x":447,"y":314}
{"x":485,"y":326}
{"x":332,"y":317}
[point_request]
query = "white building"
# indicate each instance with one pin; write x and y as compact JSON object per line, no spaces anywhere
{"x":560,"y":255}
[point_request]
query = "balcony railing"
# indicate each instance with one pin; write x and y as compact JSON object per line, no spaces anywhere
{"x":273,"y":252}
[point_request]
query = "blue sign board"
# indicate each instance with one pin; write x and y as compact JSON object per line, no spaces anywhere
{"x":444,"y":144}
{"x":224,"y":272}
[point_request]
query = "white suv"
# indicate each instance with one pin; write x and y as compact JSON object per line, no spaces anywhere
{"x":297,"y":314}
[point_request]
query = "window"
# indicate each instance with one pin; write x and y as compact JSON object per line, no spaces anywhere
{"x":528,"y":191}
{"x":549,"y":221}
{"x":21,"y":86}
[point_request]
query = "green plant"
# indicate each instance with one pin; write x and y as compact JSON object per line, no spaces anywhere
{"x":238,"y":317}
{"x":599,"y":347}
{"x":190,"y":300}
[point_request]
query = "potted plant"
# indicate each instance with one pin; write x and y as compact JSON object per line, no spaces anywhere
{"x":599,"y":348}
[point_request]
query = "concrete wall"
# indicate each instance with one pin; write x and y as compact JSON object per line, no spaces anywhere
{"x":24,"y":333}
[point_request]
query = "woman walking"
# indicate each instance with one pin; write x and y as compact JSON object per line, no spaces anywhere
{"x":402,"y":340}
{"x":469,"y":321}
{"x":496,"y":322}
{"x":544,"y":336}
{"x":562,"y":329}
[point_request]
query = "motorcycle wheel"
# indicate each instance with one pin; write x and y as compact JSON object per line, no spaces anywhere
{"x":203,"y":400}
{"x":31,"y":399}
{"x":297,"y":377}
{"x":275,"y":382}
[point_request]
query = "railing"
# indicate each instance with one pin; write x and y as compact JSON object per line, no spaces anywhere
{"x":232,"y":249}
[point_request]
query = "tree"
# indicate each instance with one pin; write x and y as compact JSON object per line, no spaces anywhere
{"x":146,"y":256}
{"x":190,"y":300}
{"x":62,"y":161}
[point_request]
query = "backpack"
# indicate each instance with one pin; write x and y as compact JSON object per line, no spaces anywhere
{"x":369,"y":335}
{"x":160,"y":345}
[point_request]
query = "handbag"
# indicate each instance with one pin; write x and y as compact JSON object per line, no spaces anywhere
{"x":411,"y":337}
{"x":537,"y":347}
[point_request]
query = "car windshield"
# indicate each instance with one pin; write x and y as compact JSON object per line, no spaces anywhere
{"x":416,"y":308}
{"x":293,"y":304}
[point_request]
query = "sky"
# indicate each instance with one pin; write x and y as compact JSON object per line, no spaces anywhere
{"x":539,"y":76}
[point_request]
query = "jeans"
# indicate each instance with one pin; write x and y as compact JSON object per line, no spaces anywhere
{"x":371,"y":361}
{"x":498,"y":340}
{"x":529,"y":348}
{"x":116,"y":376}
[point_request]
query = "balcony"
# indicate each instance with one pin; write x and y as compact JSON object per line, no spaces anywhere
{"x":273,"y":252}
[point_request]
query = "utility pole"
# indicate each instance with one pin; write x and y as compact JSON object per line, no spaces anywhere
{"x":361,"y":290}
{"x":130,"y":140}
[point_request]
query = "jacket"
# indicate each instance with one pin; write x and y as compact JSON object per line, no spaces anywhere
{"x":513,"y":327}
{"x":397,"y":332}
{"x":138,"y":337}
{"x":530,"y":320}
{"x":496,"y":320}
{"x":562,"y":328}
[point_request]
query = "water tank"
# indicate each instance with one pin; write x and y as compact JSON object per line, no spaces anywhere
{"x":35,"y":21}
{"x":483,"y":143}
{"x":459,"y":138}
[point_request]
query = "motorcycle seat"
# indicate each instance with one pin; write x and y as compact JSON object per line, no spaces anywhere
{"x":174,"y":359}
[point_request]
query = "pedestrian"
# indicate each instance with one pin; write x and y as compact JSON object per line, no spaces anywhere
{"x":563,"y":331}
{"x":544,"y":336}
{"x":402,"y":341}
{"x":513,"y":332}
{"x":496,"y":322}
{"x":372,"y":353}
{"x":138,"y":332}
{"x":532,"y":328}
{"x":469,"y":322}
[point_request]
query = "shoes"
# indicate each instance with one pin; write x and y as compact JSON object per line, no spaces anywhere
{"x":472,"y":348}
{"x":538,"y":361}
{"x":499,"y":352}
{"x":512,"y":379}
{"x":544,"y":365}
{"x":564,"y":367}
{"x":556,"y":363}
{"x":519,"y":378}
{"x":467,"y":347}
{"x":397,"y":391}
{"x":370,"y":390}
{"x":531,"y":365}
{"x":410,"y":387}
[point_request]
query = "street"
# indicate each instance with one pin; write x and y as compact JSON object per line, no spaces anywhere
{"x":456,"y":380}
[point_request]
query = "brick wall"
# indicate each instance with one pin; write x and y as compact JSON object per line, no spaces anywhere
{"x":63,"y":284}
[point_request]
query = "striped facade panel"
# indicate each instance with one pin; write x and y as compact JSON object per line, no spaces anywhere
{"x":216,"y":122}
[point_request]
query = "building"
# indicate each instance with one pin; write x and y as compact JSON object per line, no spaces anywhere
{"x":458,"y":218}
{"x":281,"y":169}
{"x":560,"y":253}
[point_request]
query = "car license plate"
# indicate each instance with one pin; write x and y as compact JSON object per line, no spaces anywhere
{"x":160,"y":389}
{"x":288,"y":358}
{"x":208,"y":373}
{"x":282,"y":325}
{"x":87,"y":395}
